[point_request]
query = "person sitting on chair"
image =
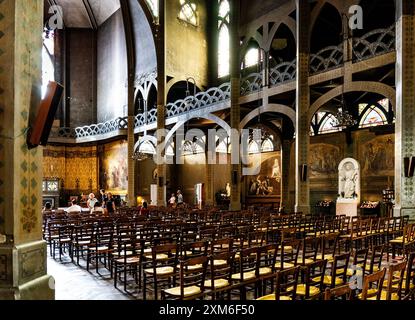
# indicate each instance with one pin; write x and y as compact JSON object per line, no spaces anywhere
{"x":74,"y":207}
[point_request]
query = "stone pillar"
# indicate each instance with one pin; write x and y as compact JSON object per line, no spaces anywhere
{"x":302,"y":131}
{"x":161,"y":98}
{"x":235,"y":70}
{"x":23,"y":269}
{"x":132,"y":191}
{"x":285,"y":170}
{"x":405,"y":106}
{"x":209,"y":187}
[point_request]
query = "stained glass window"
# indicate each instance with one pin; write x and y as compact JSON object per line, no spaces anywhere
{"x":327,"y":124}
{"x":223,"y":45}
{"x":373,"y":116}
{"x":188,"y":12}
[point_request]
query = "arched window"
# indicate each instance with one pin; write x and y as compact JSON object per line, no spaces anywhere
{"x":322,"y":123}
{"x":154,"y":7}
{"x":253,"y":148}
{"x":251,"y":58}
{"x":328,"y":124}
{"x":373,"y":115}
{"x":188,"y":12}
{"x":223,"y":42}
{"x":267,"y":145}
{"x":48,"y":51}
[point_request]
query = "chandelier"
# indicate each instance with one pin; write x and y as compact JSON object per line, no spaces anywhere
{"x":343,"y":119}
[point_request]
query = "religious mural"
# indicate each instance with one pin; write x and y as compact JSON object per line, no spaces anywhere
{"x":268,"y":181}
{"x":115,"y":167}
{"x":324,"y":160}
{"x":378,"y":156}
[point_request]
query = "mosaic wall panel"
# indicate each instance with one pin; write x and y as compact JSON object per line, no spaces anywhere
{"x":76,"y":167}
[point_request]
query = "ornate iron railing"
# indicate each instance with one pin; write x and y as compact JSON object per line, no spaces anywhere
{"x":376,"y":42}
{"x":252,"y":83}
{"x":283,"y":72}
{"x":326,"y":59}
{"x":101,"y":128}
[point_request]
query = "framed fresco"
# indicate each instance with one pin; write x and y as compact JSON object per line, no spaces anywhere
{"x":267,"y":183}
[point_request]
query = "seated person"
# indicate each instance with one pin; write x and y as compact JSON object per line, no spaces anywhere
{"x":74,"y":207}
{"x":47,"y":208}
{"x":144,"y":209}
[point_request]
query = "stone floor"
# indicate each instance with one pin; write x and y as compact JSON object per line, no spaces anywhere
{"x":75,"y":283}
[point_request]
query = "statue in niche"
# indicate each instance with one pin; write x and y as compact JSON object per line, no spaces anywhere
{"x":348,"y":177}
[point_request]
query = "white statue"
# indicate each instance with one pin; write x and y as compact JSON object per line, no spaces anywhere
{"x":349,"y":187}
{"x":228,"y":190}
{"x":349,"y":177}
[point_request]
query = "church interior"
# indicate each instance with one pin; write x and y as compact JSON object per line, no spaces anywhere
{"x":207,"y":150}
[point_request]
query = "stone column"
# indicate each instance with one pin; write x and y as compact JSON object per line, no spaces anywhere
{"x":285,"y":170}
{"x":23,"y":269}
{"x":235,"y":70}
{"x":161,"y":97}
{"x":302,"y":131}
{"x":209,"y":187}
{"x":132,"y":199}
{"x":405,"y":106}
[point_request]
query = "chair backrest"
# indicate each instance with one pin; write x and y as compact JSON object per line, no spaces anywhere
{"x":192,"y":250}
{"x":286,"y":283}
{"x":314,"y":275}
{"x":309,"y":250}
{"x":359,"y":259}
{"x":395,"y":278}
{"x":170,"y":254}
{"x":248,"y":261}
{"x":221,"y":245}
{"x":220,"y":266}
{"x":339,"y":268}
{"x":410,"y":273}
{"x":267,"y":256}
{"x":372,"y":285}
{"x":344,"y":292}
{"x":193,"y":274}
{"x":375,"y":258}
{"x":290,"y":250}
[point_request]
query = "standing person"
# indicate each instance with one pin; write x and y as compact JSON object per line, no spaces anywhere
{"x":91,"y":201}
{"x":104,"y":197}
{"x":110,"y":205}
{"x":172,"y":201}
{"x":180,"y":201}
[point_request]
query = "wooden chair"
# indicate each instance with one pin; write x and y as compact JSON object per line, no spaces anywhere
{"x":372,"y":286}
{"x":83,"y":237}
{"x":313,"y":274}
{"x":161,"y":269}
{"x":408,"y":286}
{"x":343,"y":292}
{"x":246,"y":262}
{"x":127,"y":260}
{"x":63,"y":241}
{"x":288,"y":258}
{"x":328,"y":247}
{"x":405,"y":243}
{"x":102,"y":245}
{"x":338,"y":271}
{"x":358,"y":265}
{"x":267,"y":256}
{"x":375,"y":259}
{"x":285,"y":285}
{"x":219,"y":275}
{"x":192,"y":276}
{"x":308,"y":252}
{"x":392,"y":286}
